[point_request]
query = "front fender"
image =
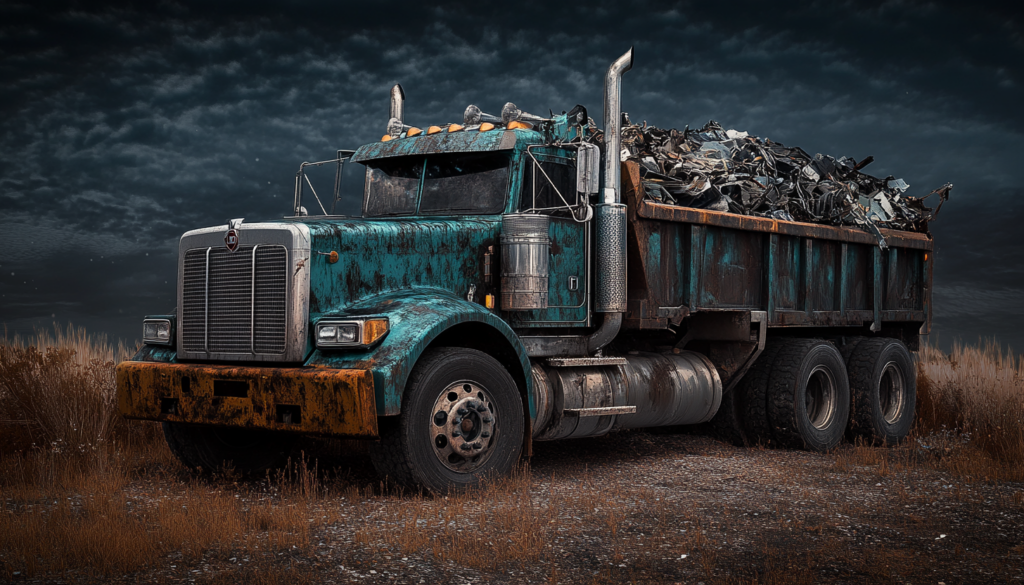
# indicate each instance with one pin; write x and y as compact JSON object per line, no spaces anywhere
{"x":417,"y":317}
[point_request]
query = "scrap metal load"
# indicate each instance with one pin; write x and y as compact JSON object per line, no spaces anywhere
{"x":725,"y":170}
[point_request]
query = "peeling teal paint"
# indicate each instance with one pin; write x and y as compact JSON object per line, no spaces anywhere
{"x":566,"y":308}
{"x":156,"y":353}
{"x":378,"y":255}
{"x":417,"y":316}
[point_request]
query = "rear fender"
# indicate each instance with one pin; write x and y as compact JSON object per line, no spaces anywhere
{"x":417,"y":318}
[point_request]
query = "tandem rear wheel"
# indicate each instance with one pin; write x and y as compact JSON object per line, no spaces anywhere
{"x":462,"y":421}
{"x":883,"y":384}
{"x":809,"y":393}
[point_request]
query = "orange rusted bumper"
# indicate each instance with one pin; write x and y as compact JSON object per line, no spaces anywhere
{"x":309,"y":400}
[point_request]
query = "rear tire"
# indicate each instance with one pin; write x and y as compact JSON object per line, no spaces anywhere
{"x":847,"y":348}
{"x":883,"y":387}
{"x":808,"y":395}
{"x":462,"y":421}
{"x":754,"y":395}
{"x":727,"y":423}
{"x":248,"y":451}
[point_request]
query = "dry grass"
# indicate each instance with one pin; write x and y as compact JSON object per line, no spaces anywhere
{"x":84,"y":492}
{"x":57,"y":393}
{"x":971,"y":409}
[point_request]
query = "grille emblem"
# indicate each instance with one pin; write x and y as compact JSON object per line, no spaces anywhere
{"x":231,"y":240}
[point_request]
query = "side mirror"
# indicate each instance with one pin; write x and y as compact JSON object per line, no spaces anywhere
{"x":588,"y":168}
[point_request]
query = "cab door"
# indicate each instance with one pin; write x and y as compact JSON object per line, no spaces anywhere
{"x":549,"y":187}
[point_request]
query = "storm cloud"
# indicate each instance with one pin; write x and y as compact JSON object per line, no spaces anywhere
{"x":123,"y":127}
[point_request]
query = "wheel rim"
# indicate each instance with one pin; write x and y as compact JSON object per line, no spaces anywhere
{"x":820,"y":398}
{"x":463,"y":425}
{"x":891,"y":393}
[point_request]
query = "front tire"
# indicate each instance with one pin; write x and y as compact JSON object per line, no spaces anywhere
{"x":248,"y":451}
{"x":809,"y":395}
{"x":461,"y":421}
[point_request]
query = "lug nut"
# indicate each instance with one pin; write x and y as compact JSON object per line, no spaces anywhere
{"x":486,"y":419}
{"x":485,"y":434}
{"x":481,"y":408}
{"x":456,"y":433}
{"x":477,"y":446}
{"x":462,"y":411}
{"x":457,"y":421}
{"x":465,"y":447}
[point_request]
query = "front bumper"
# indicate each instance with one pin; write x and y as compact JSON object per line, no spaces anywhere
{"x":319,"y":401}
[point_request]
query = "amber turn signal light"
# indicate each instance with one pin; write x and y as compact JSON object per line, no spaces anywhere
{"x":374,"y":329}
{"x":517,"y":125}
{"x":413,"y":132}
{"x":455,"y":127}
{"x":486,"y":126}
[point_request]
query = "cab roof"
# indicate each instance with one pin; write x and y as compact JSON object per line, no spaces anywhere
{"x":445,"y":142}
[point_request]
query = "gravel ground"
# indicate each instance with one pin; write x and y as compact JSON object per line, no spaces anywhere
{"x":645,"y":508}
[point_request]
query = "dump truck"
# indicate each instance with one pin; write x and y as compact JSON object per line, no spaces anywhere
{"x":507,"y":282}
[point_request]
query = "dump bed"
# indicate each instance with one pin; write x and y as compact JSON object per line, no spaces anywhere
{"x":683,"y":261}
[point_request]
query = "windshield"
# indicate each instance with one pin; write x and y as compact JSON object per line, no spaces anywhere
{"x":391,"y":187}
{"x":442,"y":184}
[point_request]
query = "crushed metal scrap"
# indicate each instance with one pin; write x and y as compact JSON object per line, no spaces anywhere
{"x":725,"y":170}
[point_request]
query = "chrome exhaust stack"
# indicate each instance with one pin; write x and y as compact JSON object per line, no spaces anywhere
{"x":396,"y":124}
{"x":610,"y":215}
{"x":610,"y":245}
{"x":398,"y":103}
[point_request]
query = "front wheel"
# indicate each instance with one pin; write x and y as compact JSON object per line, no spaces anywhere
{"x":208,"y":448}
{"x":461,"y":421}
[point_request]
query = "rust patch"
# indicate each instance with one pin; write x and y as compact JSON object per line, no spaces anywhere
{"x":331,"y":402}
{"x":663,"y":391}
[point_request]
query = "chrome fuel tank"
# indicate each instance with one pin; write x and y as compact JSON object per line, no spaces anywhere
{"x":659,"y":389}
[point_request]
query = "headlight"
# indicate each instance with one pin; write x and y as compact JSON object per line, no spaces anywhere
{"x":156,"y":331}
{"x":351,"y":333}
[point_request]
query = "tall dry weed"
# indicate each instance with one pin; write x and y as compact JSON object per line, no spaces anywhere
{"x":977,"y":393}
{"x":57,"y":392}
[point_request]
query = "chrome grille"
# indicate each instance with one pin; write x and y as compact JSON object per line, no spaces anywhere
{"x":235,"y":302}
{"x":270,"y":306}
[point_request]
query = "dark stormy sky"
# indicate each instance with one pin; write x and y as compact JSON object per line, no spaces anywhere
{"x":122,"y":127}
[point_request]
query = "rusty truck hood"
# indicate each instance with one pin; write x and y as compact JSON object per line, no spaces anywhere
{"x":376,"y":256}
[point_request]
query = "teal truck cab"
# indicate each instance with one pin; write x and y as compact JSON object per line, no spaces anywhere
{"x":507,"y":282}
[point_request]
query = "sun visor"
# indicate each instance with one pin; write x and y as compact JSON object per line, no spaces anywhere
{"x":433,"y":143}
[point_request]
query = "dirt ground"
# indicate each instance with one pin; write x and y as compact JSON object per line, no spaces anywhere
{"x":631,"y":507}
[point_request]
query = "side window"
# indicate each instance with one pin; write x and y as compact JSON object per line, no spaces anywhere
{"x":539,"y":192}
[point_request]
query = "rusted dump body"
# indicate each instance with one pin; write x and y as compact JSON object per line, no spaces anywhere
{"x":319,"y":401}
{"x":684,"y":261}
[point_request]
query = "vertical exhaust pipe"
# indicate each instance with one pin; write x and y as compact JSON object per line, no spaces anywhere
{"x":398,"y":103}
{"x":396,"y":124}
{"x":610,"y":215}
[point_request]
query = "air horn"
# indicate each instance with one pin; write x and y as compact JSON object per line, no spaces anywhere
{"x":474,"y":116}
{"x":510,"y":113}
